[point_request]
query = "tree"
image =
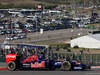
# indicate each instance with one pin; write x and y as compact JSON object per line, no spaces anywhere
{"x":29,"y":39}
{"x":81,"y":2}
{"x":94,"y":1}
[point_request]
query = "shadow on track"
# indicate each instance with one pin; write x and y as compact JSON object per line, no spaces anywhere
{"x":48,"y":70}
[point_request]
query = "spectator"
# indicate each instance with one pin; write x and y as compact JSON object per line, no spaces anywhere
{"x":81,"y":52}
{"x":88,"y":50}
{"x":1,"y":51}
{"x":71,"y":57}
{"x":67,"y":58}
{"x":32,"y":50}
{"x":80,"y":57}
{"x":12,"y":50}
{"x":7,"y":51}
{"x":89,"y":62}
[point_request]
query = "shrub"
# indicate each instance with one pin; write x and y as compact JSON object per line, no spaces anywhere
{"x":76,"y":46}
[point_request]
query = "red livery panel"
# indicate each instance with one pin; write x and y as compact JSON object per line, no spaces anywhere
{"x":10,"y":57}
{"x":30,"y":58}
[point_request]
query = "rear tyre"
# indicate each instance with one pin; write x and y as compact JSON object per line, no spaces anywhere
{"x":66,"y":66}
{"x":11,"y":66}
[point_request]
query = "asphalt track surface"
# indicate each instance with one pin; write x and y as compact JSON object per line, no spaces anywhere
{"x":47,"y":72}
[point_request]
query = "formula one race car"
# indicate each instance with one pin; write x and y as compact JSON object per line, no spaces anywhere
{"x":38,"y":61}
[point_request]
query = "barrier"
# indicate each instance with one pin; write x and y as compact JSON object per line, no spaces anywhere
{"x":3,"y":68}
{"x":94,"y":67}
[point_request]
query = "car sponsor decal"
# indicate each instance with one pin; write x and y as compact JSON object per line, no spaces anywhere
{"x":10,"y":56}
{"x":26,"y":65}
{"x":57,"y":63}
{"x":37,"y":64}
{"x":78,"y":68}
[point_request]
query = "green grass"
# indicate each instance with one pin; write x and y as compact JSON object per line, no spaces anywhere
{"x":56,"y":43}
{"x":94,"y":24}
{"x":82,"y":49}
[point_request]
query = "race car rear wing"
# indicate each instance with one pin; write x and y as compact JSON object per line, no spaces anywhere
{"x":10,"y":57}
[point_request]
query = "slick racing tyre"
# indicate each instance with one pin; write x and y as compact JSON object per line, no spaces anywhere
{"x":66,"y":66}
{"x":11,"y":65}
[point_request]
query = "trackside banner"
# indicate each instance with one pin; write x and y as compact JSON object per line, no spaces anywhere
{"x":93,"y":67}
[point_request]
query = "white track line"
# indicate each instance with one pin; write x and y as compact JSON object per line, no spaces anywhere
{"x":92,"y":73}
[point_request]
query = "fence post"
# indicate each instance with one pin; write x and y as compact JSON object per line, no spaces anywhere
{"x":85,"y":58}
{"x":0,"y":49}
{"x":91,"y":58}
{"x":96,"y":59}
{"x":5,"y":52}
{"x":58,"y":55}
{"x":65,"y":55}
{"x":78,"y":57}
{"x":72,"y":56}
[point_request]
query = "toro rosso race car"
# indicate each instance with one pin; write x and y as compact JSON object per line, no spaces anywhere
{"x":38,"y":61}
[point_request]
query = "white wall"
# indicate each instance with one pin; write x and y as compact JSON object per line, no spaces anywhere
{"x":86,"y":42}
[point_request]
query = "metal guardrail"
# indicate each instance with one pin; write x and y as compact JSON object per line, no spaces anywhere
{"x":2,"y":59}
{"x":92,"y":59}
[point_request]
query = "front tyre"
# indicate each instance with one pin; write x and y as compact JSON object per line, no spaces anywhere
{"x":66,"y":66}
{"x":11,"y":65}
